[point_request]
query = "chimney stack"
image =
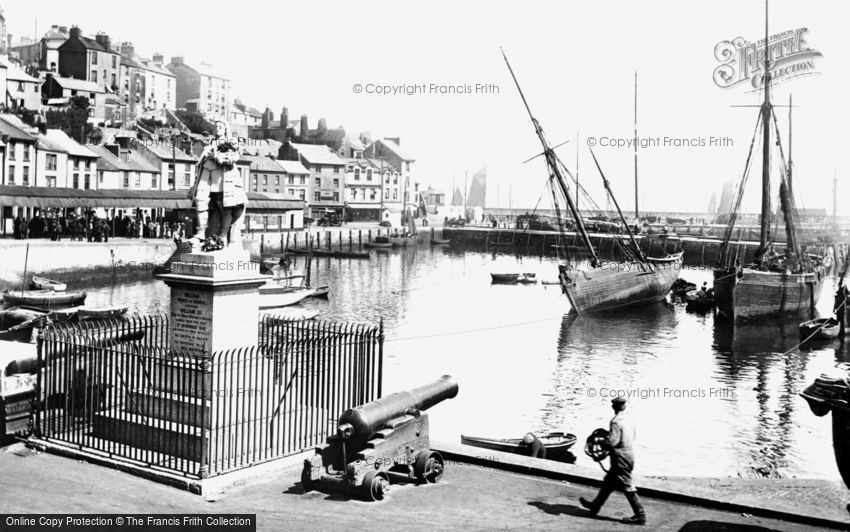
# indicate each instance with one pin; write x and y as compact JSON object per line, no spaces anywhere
{"x":158,"y":59}
{"x":177,"y":60}
{"x":75,"y":32}
{"x":284,"y":119}
{"x":305,"y":129}
{"x":267,"y":118}
{"x":102,"y":39}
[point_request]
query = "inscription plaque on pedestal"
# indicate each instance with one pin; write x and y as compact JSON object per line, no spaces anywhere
{"x":214,"y":301}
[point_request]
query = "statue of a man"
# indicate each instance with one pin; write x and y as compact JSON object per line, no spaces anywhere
{"x":219,"y":193}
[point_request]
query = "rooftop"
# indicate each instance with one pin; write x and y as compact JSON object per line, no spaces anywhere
{"x":8,"y":127}
{"x":134,"y":161}
{"x":59,"y":138}
{"x":317,"y":154}
{"x":77,"y":84}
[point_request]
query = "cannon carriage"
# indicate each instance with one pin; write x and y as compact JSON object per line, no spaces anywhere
{"x":380,"y":439}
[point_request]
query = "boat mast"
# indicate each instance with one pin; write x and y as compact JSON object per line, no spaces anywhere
{"x":766,"y":110}
{"x":790,"y":171}
{"x":639,"y":252}
{"x":554,"y":169}
{"x":637,"y":213}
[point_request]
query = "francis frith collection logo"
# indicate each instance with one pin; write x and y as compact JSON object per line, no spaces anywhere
{"x":742,"y":61}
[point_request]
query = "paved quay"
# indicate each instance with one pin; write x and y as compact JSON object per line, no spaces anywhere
{"x":469,"y":497}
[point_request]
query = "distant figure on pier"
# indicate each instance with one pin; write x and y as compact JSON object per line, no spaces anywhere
{"x":620,"y":443}
{"x":534,"y":445}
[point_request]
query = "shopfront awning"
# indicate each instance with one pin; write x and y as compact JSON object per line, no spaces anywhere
{"x":47,"y":197}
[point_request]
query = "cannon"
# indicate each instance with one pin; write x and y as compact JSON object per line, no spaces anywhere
{"x":388,"y":436}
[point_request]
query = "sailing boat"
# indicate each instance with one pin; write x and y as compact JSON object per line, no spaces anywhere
{"x":773,"y":284}
{"x":604,"y":286}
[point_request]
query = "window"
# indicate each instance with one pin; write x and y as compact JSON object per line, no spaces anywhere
{"x":137,"y":181}
{"x":126,"y":179}
{"x":20,"y":86}
{"x":265,"y":180}
{"x":94,"y":76}
{"x":387,"y":179}
{"x":114,"y":64}
{"x":51,"y":181}
{"x":395,"y":194}
{"x":372,"y":195}
{"x":301,"y":194}
{"x":395,"y":179}
{"x":336,"y":183}
{"x":254,"y":181}
{"x":11,"y":175}
{"x":154,"y":183}
{"x":50,"y":160}
{"x":406,"y":167}
{"x":336,"y":169}
{"x":114,"y":84}
{"x":26,"y":180}
{"x":26,"y":153}
{"x":318,"y":169}
{"x":318,"y":182}
{"x":76,"y":181}
{"x":100,"y":177}
{"x":387,"y":194}
{"x":170,"y":175}
{"x":303,"y":180}
{"x":316,"y":196}
{"x":76,"y":164}
{"x":336,"y":196}
{"x":12,"y":150}
{"x":187,"y":175}
{"x":88,"y":166}
{"x":277,"y":180}
{"x":354,"y":193}
{"x":291,"y":191}
{"x":291,"y":180}
{"x":357,"y":174}
{"x":87,"y":182}
{"x":94,"y":58}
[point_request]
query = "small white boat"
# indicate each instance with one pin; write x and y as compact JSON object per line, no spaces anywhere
{"x":273,"y":295}
{"x":43,"y":283}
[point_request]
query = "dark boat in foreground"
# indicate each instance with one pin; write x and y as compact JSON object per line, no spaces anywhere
{"x":513,"y":278}
{"x":698,"y":301}
{"x":321,"y":292}
{"x":43,"y":298}
{"x":557,"y":445}
{"x":819,"y":329}
{"x":17,"y":324}
{"x":440,"y":242}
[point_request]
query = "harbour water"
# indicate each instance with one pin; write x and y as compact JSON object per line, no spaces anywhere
{"x":711,"y":398}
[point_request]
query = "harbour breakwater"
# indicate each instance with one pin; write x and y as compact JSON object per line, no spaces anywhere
{"x":697,"y":251}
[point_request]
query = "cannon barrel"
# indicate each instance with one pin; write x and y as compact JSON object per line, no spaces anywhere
{"x":363,"y":421}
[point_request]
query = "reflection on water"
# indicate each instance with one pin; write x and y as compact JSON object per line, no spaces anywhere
{"x":711,"y":398}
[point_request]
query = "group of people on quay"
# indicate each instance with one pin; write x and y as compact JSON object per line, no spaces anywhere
{"x":93,"y":228}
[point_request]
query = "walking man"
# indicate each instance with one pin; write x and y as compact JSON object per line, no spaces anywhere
{"x":620,"y":443}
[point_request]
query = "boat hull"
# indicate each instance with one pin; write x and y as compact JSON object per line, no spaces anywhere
{"x":621,"y":285}
{"x":748,"y":293}
{"x":557,"y":445}
{"x":43,"y":298}
{"x":272,"y":296}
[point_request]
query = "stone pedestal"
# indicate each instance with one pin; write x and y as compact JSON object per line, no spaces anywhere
{"x":214,"y":301}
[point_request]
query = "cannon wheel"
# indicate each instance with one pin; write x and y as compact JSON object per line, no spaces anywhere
{"x":376,"y":485}
{"x":429,"y":466}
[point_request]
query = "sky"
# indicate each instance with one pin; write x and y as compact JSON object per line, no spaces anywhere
{"x":576,"y":62}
